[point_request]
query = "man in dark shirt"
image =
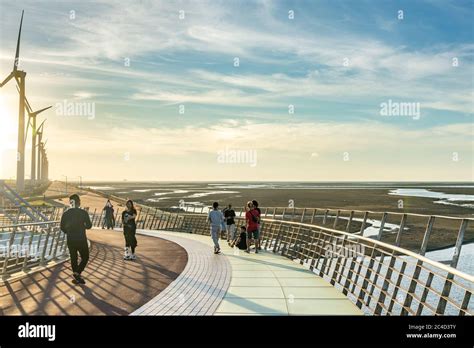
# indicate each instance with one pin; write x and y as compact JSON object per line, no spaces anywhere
{"x":74,"y":223}
{"x":229,"y":216}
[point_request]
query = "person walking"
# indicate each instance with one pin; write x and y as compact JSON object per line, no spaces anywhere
{"x":223,"y":225}
{"x":74,"y":223}
{"x":229,"y":216}
{"x":255,"y":205}
{"x":252,"y":218}
{"x":129,"y":230}
{"x":215,"y":218}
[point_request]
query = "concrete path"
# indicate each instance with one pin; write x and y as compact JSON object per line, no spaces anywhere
{"x":199,"y":289}
{"x":264,"y":283}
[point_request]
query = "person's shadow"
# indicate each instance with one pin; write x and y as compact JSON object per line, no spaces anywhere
{"x":106,"y":307}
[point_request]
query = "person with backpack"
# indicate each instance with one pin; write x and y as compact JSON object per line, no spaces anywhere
{"x":129,"y":230}
{"x":215,"y":218}
{"x":74,"y":223}
{"x":252,"y":217}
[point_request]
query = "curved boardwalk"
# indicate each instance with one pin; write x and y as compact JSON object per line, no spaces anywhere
{"x":237,"y":283}
{"x":201,"y":286}
{"x":114,"y":286}
{"x":175,"y":274}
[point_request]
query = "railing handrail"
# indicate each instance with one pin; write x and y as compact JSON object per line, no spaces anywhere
{"x":406,"y":252}
{"x":30,"y":224}
{"x":375,"y":212}
{"x":26,"y":205}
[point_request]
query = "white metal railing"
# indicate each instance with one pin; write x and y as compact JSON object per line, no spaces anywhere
{"x":28,"y":245}
{"x":380,"y":278}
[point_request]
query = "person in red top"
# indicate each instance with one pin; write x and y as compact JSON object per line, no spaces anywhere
{"x":252,"y":216}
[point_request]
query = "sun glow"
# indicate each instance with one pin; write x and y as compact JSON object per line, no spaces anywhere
{"x":8,"y":130}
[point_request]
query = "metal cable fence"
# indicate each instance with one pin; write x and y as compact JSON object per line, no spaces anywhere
{"x":29,"y":245}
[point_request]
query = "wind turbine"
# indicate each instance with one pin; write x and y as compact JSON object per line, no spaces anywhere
{"x":19,"y":76}
{"x":32,"y":120}
{"x":39,"y":132}
{"x":45,"y":168}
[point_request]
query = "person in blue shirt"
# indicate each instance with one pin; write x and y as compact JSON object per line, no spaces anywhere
{"x":215,"y":218}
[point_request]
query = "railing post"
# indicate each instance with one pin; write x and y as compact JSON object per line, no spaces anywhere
{"x":426,"y":237}
{"x":168,"y":221}
{"x":144,"y":220}
{"x":175,"y":221}
{"x":7,"y":255}
{"x":335,"y":220}
{"x":400,"y":230}
{"x":454,"y":262}
{"x":385,"y":286}
{"x":348,"y":228}
{"x":313,"y":215}
{"x":277,"y":239}
{"x":401,"y":274}
{"x":465,"y":303}
{"x":350,"y":273}
{"x":30,"y":243}
{"x":160,"y":222}
{"x":116,"y":218}
{"x":459,"y":241}
{"x":302,"y":215}
{"x":364,"y":222}
{"x":366,"y":278}
{"x":267,"y":235}
{"x":338,"y":257}
{"x":93,"y":218}
{"x":56,"y":238}
{"x":153,"y":220}
{"x":412,"y":288}
{"x":43,"y":254}
{"x":139,"y":214}
{"x":425,"y":294}
{"x":382,"y":225}
{"x":325,"y":216}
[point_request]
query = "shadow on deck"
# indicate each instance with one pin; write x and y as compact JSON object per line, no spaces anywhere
{"x":114,"y":286}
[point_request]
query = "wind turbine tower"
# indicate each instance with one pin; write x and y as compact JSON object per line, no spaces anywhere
{"x":20,"y":79}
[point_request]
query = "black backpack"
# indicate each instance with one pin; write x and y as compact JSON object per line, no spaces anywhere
{"x":255,"y":218}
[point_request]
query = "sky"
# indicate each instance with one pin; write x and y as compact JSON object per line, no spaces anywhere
{"x":244,"y":90}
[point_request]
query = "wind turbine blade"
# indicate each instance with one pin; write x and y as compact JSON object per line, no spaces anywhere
{"x":28,"y":106}
{"x":27,"y":127}
{"x":40,"y":111}
{"x":9,"y":77}
{"x":41,"y":126}
{"x":17,"y":54}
